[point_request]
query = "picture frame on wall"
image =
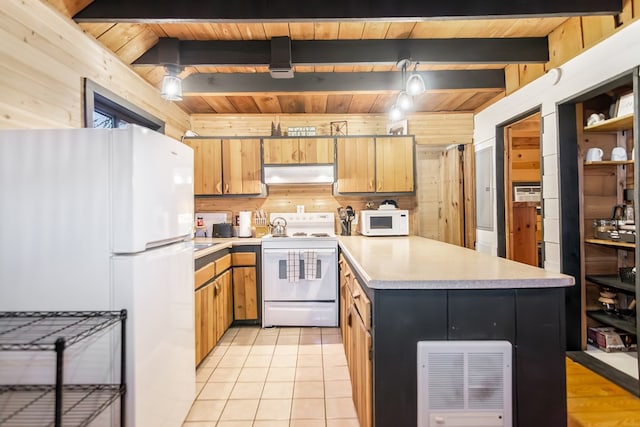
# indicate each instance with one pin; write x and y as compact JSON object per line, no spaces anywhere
{"x":398,"y":128}
{"x":624,"y":106}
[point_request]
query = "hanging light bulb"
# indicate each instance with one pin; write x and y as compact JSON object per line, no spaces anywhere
{"x":415,"y":84}
{"x":395,"y":113}
{"x":404,"y":101}
{"x":172,"y":84}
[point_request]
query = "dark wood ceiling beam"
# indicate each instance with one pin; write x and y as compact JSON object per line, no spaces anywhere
{"x":148,"y":11}
{"x":245,"y":83}
{"x":353,"y":52}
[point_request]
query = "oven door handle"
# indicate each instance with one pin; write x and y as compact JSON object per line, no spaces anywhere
{"x":286,"y":251}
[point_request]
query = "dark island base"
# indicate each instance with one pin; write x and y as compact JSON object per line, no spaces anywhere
{"x":532,"y":320}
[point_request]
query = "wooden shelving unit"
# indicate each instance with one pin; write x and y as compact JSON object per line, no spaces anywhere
{"x":610,"y":243}
{"x":612,"y":281}
{"x":612,"y":125}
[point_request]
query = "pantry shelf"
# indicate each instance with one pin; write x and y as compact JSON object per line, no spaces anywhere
{"x":622,"y":322}
{"x":610,"y":243}
{"x":612,"y":281}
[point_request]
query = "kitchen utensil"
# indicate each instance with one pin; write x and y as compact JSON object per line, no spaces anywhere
{"x":346,"y":215}
{"x":594,"y":154}
{"x":278,"y":227}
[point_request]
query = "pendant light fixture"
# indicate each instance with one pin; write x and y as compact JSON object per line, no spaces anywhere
{"x":415,"y":84}
{"x":172,"y":83}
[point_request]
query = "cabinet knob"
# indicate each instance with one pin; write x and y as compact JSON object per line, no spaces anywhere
{"x":356,"y":295}
{"x":226,"y":188}
{"x":219,"y":187}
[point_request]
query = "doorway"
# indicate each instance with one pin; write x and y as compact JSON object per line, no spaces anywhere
{"x":522,"y":191}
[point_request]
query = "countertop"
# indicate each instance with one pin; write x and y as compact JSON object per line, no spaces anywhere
{"x":418,"y":263}
{"x":218,"y":244}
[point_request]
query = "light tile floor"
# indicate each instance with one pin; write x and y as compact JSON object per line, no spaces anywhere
{"x":289,"y":377}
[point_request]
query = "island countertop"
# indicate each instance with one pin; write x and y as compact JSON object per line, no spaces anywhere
{"x":413,"y":262}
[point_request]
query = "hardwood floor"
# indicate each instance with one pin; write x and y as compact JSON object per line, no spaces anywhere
{"x":593,"y":401}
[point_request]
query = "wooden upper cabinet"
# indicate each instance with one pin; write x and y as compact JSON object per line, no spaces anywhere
{"x":281,"y":151}
{"x":297,"y":150}
{"x":242,"y":169}
{"x":316,"y":150}
{"x":394,"y":164}
{"x":207,"y":164}
{"x":356,"y":173}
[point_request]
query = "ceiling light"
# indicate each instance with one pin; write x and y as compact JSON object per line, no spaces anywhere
{"x":172,"y":84}
{"x":404,"y":101}
{"x":395,"y":113}
{"x":415,"y":84}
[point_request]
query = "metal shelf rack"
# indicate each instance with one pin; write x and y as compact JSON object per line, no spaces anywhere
{"x":55,"y":404}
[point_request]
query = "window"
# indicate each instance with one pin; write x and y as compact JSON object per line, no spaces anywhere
{"x":105,"y":109}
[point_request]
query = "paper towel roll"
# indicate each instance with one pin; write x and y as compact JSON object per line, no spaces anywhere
{"x":244,"y":224}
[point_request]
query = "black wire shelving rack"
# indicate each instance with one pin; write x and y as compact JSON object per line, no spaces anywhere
{"x":57,"y":404}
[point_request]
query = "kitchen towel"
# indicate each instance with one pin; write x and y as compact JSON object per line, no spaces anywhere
{"x":310,"y":265}
{"x":293,"y":266}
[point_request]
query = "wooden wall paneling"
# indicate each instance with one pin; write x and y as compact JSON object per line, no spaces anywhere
{"x":428,"y":128}
{"x":36,"y":33}
{"x":530,"y":72}
{"x":512,"y":78}
{"x":565,"y":42}
{"x":525,"y":159}
{"x":596,"y":28}
{"x":428,"y":191}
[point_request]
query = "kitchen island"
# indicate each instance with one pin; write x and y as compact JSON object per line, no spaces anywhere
{"x":418,"y":289}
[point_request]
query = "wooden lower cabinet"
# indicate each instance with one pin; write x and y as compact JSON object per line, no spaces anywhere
{"x":245,"y":289}
{"x":213,"y":310}
{"x":355,"y":323}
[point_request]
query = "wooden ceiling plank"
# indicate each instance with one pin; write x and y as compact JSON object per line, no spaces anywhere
{"x":137,"y":46}
{"x":227,"y":31}
{"x":252,"y":31}
{"x":276,"y":29}
{"x":315,"y":104}
{"x":291,"y":104}
{"x":351,"y":30}
{"x":302,"y":31}
{"x":383,"y":103}
{"x":362,"y":104}
{"x":339,"y":104}
{"x":326,"y":30}
{"x":268,"y":104}
{"x":195,"y":104}
{"x":284,"y":10}
{"x":221,"y":104}
{"x":375,"y":30}
{"x":244,"y":104}
{"x":119,"y":35}
{"x":98,"y":29}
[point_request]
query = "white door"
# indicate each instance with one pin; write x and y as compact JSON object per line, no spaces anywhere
{"x":156,"y":288}
{"x":279,"y":285}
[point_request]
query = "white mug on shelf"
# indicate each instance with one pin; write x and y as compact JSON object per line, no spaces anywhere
{"x":618,"y":154}
{"x":594,"y":154}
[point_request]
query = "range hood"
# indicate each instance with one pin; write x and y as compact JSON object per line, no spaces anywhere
{"x":298,"y":174}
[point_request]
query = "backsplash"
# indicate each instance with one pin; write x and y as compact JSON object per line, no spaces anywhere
{"x":314,"y":198}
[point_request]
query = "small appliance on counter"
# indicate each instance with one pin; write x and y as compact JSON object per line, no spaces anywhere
{"x":346,"y":215}
{"x":222,"y":230}
{"x":384,"y":222}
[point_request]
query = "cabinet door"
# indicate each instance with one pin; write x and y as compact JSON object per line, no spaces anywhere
{"x":362,"y":380}
{"x":242,"y":171}
{"x":394,"y":164}
{"x":316,"y":150}
{"x":281,"y":151}
{"x":209,"y":331}
{"x":198,"y":324}
{"x":356,"y":165}
{"x":245,"y":293}
{"x":226,"y":290}
{"x":207,"y":165}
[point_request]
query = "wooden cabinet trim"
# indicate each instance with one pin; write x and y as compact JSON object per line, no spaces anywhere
{"x":204,"y":274}
{"x":223,"y":263}
{"x":243,"y":258}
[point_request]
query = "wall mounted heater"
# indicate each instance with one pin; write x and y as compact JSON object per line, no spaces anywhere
{"x":464,"y":384}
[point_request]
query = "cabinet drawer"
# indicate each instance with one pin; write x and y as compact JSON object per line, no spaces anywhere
{"x":205,"y":273}
{"x":362,"y":303}
{"x":223,"y":263}
{"x":243,"y":259}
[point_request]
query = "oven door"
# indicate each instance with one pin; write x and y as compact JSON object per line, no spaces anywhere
{"x":288,"y":276}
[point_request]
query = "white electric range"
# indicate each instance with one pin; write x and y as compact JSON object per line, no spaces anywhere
{"x":300,"y":272}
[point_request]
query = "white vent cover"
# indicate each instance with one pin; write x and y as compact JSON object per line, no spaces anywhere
{"x":464,"y":384}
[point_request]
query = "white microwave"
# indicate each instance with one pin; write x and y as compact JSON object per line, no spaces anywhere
{"x":384,"y":222}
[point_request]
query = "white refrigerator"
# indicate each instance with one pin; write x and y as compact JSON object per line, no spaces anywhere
{"x":102,"y":219}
